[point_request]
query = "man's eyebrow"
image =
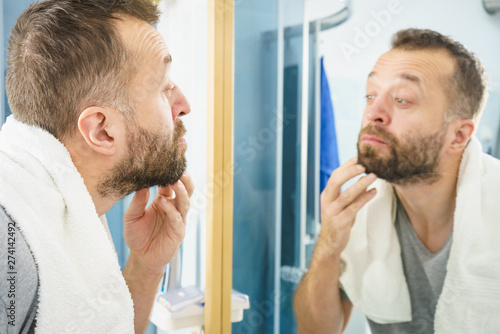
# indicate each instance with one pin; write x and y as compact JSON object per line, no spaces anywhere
{"x":167,"y":60}
{"x":412,"y":78}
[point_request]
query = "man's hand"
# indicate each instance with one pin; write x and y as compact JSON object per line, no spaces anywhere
{"x":154,"y":234}
{"x":317,"y":302}
{"x":338,"y":210}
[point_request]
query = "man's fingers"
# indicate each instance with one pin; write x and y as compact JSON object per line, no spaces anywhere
{"x":181,"y":198}
{"x":138,"y":204}
{"x":349,"y":195}
{"x":166,"y":192}
{"x":340,"y":176}
{"x":358,"y":203}
{"x":188,"y":183}
{"x":175,"y":219}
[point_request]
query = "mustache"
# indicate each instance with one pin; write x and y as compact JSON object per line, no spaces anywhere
{"x":180,"y":131}
{"x":379,"y":132}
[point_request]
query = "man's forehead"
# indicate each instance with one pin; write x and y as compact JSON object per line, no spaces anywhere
{"x":142,"y":38}
{"x":417,"y":66}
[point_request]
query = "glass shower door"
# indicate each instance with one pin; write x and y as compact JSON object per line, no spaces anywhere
{"x":267,"y":174}
{"x":256,"y":136}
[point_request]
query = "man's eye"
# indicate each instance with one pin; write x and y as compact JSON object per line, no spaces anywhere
{"x":400,"y":100}
{"x":369,"y":98}
{"x":168,"y":92}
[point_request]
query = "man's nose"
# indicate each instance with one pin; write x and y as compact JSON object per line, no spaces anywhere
{"x":180,"y":105}
{"x":378,"y":112}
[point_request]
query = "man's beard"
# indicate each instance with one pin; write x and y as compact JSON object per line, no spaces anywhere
{"x":153,"y":159}
{"x":411,"y":160}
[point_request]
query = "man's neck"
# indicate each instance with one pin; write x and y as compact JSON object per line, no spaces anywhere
{"x":102,"y":204}
{"x":431,"y":207}
{"x":91,"y":174}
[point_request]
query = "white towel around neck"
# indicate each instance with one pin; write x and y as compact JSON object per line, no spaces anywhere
{"x":81,"y":288}
{"x":373,"y":276}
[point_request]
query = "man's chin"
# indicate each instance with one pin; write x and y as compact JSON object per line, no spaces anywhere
{"x":373,"y":163}
{"x":370,"y":156}
{"x":172,"y":181}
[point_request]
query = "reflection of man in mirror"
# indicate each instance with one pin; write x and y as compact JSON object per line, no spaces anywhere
{"x":416,"y":250}
{"x":96,"y":116}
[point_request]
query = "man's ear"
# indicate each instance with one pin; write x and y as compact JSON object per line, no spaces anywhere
{"x":97,"y":126}
{"x":462,"y":132}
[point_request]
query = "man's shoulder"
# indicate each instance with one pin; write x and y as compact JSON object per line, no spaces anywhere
{"x":16,"y":247}
{"x":19,"y":289}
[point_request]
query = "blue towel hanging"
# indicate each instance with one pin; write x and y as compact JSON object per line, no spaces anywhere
{"x":329,"y":156}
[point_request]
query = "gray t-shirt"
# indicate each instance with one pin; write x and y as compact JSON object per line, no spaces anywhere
{"x":19,"y":280}
{"x":425,"y":273}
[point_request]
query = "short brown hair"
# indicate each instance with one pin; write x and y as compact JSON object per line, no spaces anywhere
{"x":65,"y":56}
{"x":469,"y":85}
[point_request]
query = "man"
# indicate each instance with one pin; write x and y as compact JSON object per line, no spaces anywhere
{"x":415,"y":250}
{"x":96,"y":116}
